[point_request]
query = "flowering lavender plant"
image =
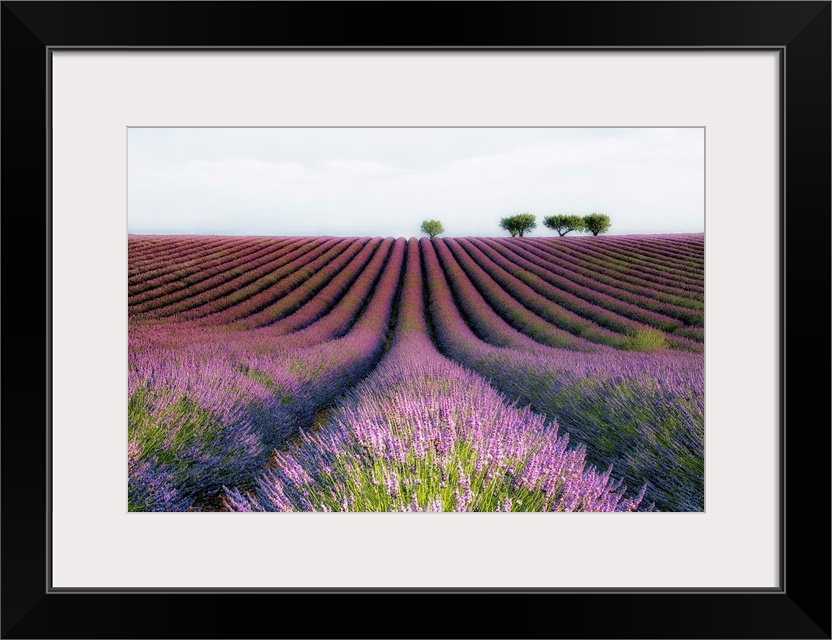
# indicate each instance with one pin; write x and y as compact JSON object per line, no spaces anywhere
{"x":371,"y":374}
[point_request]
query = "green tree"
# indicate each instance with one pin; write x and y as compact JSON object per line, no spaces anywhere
{"x":563,"y":224}
{"x":508,"y":225}
{"x":597,"y":223}
{"x":432,"y":227}
{"x":518,"y":224}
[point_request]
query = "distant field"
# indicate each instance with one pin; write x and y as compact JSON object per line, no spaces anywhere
{"x":381,"y":374}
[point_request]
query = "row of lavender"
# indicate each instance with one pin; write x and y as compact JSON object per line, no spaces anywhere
{"x":424,"y":434}
{"x":539,"y":288}
{"x":642,"y":413}
{"x":207,"y":409}
{"x":237,"y":344}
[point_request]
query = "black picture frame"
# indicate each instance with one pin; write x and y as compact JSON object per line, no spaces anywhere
{"x":799,"y":608}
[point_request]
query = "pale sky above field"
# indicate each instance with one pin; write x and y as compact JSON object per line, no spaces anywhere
{"x":386,"y":181}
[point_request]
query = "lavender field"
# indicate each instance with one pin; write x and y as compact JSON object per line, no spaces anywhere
{"x":382,"y":374}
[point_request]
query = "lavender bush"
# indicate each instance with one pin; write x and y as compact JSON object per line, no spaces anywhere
{"x":423,"y":434}
{"x":390,"y":375}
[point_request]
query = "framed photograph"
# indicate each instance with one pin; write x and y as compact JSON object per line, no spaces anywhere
{"x":261,"y":174}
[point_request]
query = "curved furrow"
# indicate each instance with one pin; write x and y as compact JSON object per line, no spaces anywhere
{"x":645,"y":250}
{"x":642,"y":413}
{"x":530,"y":312}
{"x":330,"y":368}
{"x":633,"y":265}
{"x":154,"y":258}
{"x":172,"y":269}
{"x":485,"y":322}
{"x":192,"y":271}
{"x":206,"y":413}
{"x":584,"y":301}
{"x":314,"y":295}
{"x":587,"y":301}
{"x":422,"y":433}
{"x":139,"y":247}
{"x":689,"y":253}
{"x":150,"y":246}
{"x":153,"y":243}
{"x":208,"y":403}
{"x":172,"y":264}
{"x":365,"y":266}
{"x":243,"y":297}
{"x":639,"y":258}
{"x":279,"y":291}
{"x":411,"y":319}
{"x":179,"y":249}
{"x":225,"y":270}
{"x":604,"y":265}
{"x":553,"y":272}
{"x":141,"y":242}
{"x":570,"y":266}
{"x":316,"y":376}
{"x":563,"y":333}
{"x":380,"y":276}
{"x":686,"y":241}
{"x":647,"y":277}
{"x":455,"y":337}
{"x":651,"y":249}
{"x":264,"y":283}
{"x":685,"y":246}
{"x":239,"y":272}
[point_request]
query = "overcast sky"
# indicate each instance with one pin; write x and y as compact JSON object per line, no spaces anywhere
{"x":386,"y":181}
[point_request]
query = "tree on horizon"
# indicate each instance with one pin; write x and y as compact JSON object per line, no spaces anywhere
{"x":432,"y":228}
{"x":518,"y":224}
{"x":597,"y":223}
{"x":563,"y":224}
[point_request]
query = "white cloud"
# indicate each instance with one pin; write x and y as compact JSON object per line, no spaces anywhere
{"x":356,"y":169}
{"x":386,"y":181}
